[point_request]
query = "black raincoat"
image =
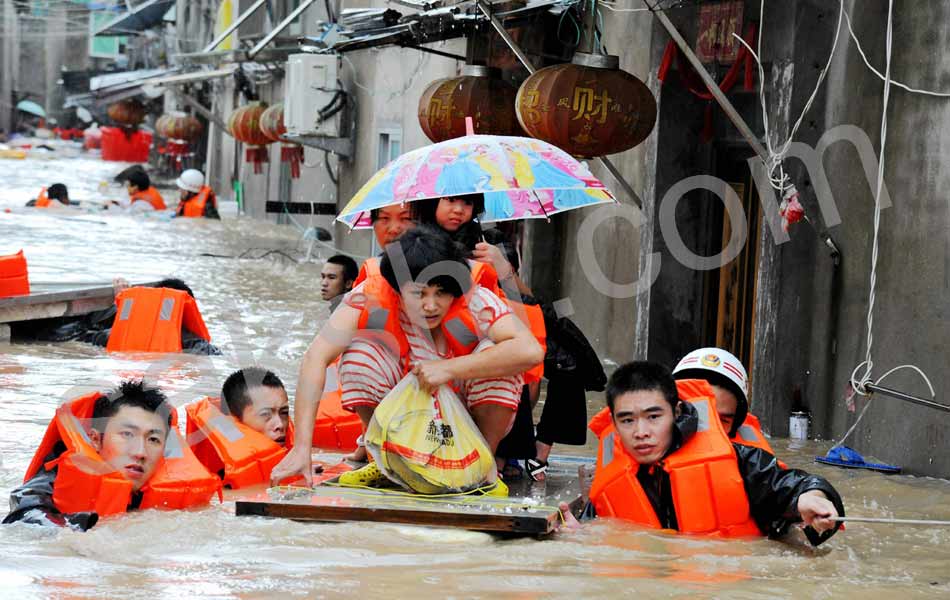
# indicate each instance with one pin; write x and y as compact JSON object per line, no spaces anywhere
{"x":772,"y":491}
{"x":32,"y":502}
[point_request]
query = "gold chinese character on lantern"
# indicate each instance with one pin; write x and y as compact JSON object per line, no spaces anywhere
{"x":589,"y":105}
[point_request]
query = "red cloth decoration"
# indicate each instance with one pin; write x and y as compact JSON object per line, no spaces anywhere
{"x":691,"y":80}
{"x":293,"y":154}
{"x":258,"y":156}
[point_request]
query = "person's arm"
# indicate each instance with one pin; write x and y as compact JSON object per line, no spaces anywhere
{"x":780,"y":498}
{"x":515,"y":351}
{"x":325,"y":348}
{"x":211,"y":208}
{"x":32,"y":503}
{"x":508,"y":277}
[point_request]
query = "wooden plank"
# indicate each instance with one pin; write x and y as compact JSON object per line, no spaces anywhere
{"x":533,"y":513}
{"x":52,"y":300}
{"x":345,"y":504}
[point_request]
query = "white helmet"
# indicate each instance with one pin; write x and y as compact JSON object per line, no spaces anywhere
{"x":718,"y":361}
{"x":191,"y":180}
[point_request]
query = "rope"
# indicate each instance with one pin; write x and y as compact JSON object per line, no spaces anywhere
{"x":859,"y":384}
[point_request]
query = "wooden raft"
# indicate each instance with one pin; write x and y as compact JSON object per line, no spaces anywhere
{"x":57,"y":300}
{"x":531,"y":509}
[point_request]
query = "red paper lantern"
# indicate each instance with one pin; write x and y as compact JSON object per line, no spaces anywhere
{"x":272,"y":125}
{"x":587,"y":108}
{"x":478,"y":93}
{"x":179,"y":126}
{"x":244,"y":126}
{"x":128,"y":113}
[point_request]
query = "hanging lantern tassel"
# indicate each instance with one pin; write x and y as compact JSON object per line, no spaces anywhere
{"x":258,"y":156}
{"x":292,"y":153}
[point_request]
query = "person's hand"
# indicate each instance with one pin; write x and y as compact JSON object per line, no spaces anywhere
{"x":431,"y":374}
{"x":119,"y":284}
{"x":570,"y":522}
{"x":486,"y":253}
{"x":297,"y":462}
{"x":817,"y":511}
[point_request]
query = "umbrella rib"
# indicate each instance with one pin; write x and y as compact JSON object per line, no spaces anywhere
{"x":541,"y":204}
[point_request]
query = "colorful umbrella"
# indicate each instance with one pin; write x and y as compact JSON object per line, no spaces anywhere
{"x":521,"y":178}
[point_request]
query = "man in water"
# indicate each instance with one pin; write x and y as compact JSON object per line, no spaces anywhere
{"x":337,"y":278}
{"x":652,"y":438}
{"x":257,"y":398}
{"x":129,"y":429}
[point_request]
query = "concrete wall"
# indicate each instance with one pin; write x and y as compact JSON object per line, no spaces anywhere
{"x":913,"y":275}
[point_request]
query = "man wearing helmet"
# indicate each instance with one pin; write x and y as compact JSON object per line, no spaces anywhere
{"x":196,"y":199}
{"x":729,"y":381}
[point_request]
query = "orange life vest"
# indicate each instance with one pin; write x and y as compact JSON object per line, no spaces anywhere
{"x":750,"y":434}
{"x":709,"y":497}
{"x":151,"y":196}
{"x":42,"y":201}
{"x":222,"y":442}
{"x":85,"y":482}
{"x":485,"y":276}
{"x":150,"y":320}
{"x":381,"y":313}
{"x":14,"y":278}
{"x":335,"y":428}
{"x":195,"y":206}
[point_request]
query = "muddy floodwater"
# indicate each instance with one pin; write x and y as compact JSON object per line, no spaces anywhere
{"x":265,"y":312}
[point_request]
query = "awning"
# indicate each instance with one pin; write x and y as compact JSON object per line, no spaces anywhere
{"x":142,"y":17}
{"x":191,"y":77}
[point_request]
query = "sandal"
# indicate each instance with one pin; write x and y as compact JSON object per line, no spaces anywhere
{"x":535,"y":468}
{"x":512,"y":471}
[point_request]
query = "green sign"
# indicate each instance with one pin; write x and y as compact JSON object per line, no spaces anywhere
{"x":101,"y":46}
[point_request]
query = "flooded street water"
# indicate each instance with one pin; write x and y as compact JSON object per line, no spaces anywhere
{"x":265,"y":312}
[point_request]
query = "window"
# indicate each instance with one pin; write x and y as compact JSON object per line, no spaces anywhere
{"x":390,"y":146}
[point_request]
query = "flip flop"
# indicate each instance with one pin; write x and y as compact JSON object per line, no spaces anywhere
{"x":842,"y":456}
{"x":536,"y":467}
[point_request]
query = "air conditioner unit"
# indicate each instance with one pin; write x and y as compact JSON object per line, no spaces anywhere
{"x":311,"y":86}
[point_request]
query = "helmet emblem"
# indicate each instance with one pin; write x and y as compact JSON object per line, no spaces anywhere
{"x":710,"y":360}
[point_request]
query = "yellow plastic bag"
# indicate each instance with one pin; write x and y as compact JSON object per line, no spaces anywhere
{"x":428,"y":443}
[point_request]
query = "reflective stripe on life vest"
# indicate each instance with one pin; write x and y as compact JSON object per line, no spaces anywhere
{"x":750,"y":434}
{"x":195,"y":206}
{"x":708,"y":493}
{"x":14,"y":277}
{"x":85,"y":482}
{"x":150,"y":195}
{"x":222,"y":442}
{"x":150,"y":320}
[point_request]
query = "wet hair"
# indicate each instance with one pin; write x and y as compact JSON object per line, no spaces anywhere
{"x":58,"y":191}
{"x":175,"y":284}
{"x":413,"y":212}
{"x":640,"y":376}
{"x":469,"y":233}
{"x":350,"y":270}
{"x":140,"y":180}
{"x":234,"y":392}
{"x":130,"y":393}
{"x":422,"y":247}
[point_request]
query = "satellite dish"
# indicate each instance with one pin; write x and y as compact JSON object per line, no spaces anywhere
{"x":83,"y":113}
